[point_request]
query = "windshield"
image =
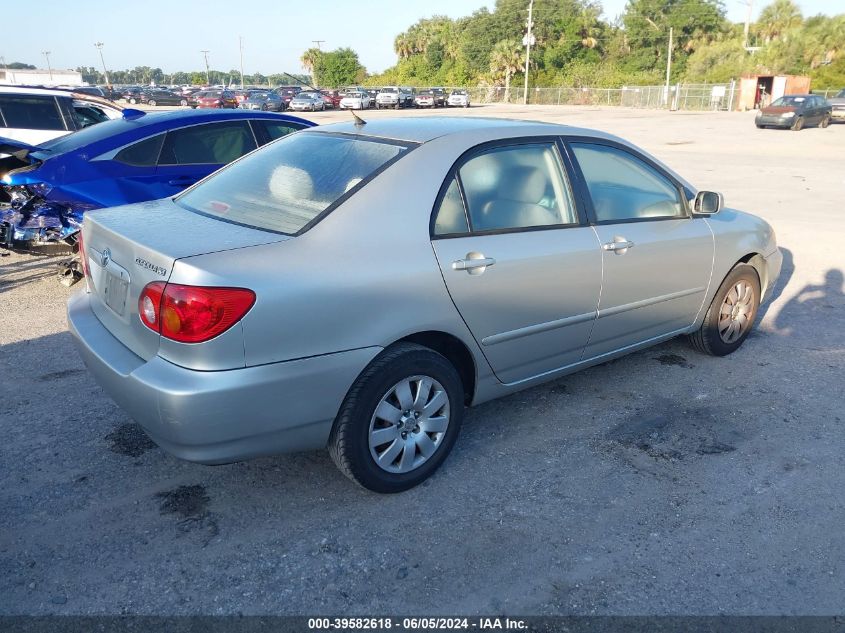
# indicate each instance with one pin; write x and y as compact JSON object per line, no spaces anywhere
{"x":205,"y":94}
{"x":840,"y":94}
{"x":459,"y":92}
{"x":286,"y":184}
{"x":389,"y":90}
{"x":788,"y":102}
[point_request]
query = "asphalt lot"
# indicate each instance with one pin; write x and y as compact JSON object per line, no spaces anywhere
{"x":666,"y":482}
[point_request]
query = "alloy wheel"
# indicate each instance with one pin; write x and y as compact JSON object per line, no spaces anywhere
{"x":409,"y":424}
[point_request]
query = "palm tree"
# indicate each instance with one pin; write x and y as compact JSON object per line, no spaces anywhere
{"x":309,"y":61}
{"x":778,"y":18}
{"x":506,"y":59}
{"x":402,"y":46}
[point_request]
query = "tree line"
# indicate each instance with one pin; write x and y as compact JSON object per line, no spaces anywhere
{"x":576,"y":47}
{"x":573,"y":46}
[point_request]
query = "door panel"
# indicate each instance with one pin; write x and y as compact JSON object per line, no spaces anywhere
{"x":655,"y":286}
{"x":531,"y":312}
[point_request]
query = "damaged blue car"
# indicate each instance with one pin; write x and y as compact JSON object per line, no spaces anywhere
{"x":46,"y":189}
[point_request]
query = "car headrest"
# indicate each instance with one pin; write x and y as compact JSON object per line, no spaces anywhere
{"x":291,"y":184}
{"x":523,"y":184}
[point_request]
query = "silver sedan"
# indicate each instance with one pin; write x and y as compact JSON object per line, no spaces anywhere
{"x":357,"y":286}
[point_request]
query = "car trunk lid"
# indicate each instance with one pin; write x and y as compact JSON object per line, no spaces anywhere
{"x":130,"y":246}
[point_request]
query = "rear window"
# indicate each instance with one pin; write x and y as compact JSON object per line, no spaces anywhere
{"x":285,"y":185}
{"x":31,"y":112}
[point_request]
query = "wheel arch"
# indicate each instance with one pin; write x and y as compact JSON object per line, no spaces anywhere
{"x":758,"y":263}
{"x":455,"y":351}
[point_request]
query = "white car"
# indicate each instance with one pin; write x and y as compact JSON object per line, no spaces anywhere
{"x":458,"y":99}
{"x":36,"y":115}
{"x":355,"y":101}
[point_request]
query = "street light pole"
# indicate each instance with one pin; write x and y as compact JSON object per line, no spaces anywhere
{"x":99,"y":46}
{"x":49,"y":67}
{"x":528,"y":37}
{"x":207,"y":74}
{"x":241,"y":44}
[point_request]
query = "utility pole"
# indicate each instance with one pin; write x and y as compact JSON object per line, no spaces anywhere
{"x":241,"y":44}
{"x":318,"y":42}
{"x":99,"y":46}
{"x":750,"y":4}
{"x":207,"y":73}
{"x":49,"y":67}
{"x":527,"y":41}
{"x":669,"y":65}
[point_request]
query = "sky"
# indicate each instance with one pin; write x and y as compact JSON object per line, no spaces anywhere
{"x":169,"y":34}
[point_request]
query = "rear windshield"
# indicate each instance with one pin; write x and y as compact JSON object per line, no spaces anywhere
{"x":288,"y":183}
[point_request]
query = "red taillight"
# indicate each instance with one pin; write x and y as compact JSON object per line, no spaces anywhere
{"x":83,"y":259}
{"x":192,"y":314}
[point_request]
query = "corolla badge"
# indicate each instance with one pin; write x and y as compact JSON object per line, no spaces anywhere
{"x":143,"y":263}
{"x":105,"y":257}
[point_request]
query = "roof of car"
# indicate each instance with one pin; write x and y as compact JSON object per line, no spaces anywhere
{"x":25,"y":90}
{"x":423,"y":129}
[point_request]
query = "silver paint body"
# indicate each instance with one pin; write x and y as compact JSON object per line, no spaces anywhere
{"x":368,"y":275}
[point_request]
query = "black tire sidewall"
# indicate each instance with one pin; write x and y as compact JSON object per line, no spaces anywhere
{"x":711,"y":322}
{"x":359,"y":410}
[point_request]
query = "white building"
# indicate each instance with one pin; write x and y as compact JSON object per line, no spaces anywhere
{"x":39,"y":77}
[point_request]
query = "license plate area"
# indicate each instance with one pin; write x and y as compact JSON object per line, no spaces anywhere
{"x":115,"y":290}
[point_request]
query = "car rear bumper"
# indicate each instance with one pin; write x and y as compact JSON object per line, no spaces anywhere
{"x":838,"y":114}
{"x":217,"y":417}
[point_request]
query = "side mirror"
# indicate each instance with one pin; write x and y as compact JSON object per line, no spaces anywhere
{"x":708,"y":202}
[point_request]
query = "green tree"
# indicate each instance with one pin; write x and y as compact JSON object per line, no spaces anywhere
{"x":506,"y":60}
{"x":778,"y":18}
{"x":310,"y":60}
{"x":339,"y":68}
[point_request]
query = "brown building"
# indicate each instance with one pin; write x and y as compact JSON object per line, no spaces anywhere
{"x":756,"y":91}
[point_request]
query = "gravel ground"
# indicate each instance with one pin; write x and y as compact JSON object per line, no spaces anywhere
{"x":666,"y":482}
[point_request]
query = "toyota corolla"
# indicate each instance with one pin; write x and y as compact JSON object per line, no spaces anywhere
{"x":285,"y":304}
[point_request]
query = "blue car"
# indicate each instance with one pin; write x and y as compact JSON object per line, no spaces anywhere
{"x":45,"y":190}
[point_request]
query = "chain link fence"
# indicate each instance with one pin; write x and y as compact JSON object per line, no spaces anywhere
{"x":678,"y":97}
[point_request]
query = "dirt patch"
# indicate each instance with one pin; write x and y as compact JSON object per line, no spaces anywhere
{"x":130,"y":440}
{"x":669,"y":433}
{"x":58,"y":375}
{"x":673,"y":359}
{"x":185,"y":501}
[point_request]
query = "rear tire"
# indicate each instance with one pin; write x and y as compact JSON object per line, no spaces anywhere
{"x":825,"y":121}
{"x":183,"y":102}
{"x":151,"y":102}
{"x":731,"y":314}
{"x":409,"y":434}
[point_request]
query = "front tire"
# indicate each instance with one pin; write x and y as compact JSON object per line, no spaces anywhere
{"x":151,"y":102}
{"x":399,"y":420}
{"x":731,"y":314}
{"x":798,"y":124}
{"x":183,"y":102}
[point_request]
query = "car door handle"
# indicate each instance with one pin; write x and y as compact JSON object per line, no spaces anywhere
{"x":474,"y":264}
{"x":182,"y":181}
{"x":619,"y":246}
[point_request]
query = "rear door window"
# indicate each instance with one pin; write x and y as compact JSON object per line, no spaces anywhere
{"x":210,"y":143}
{"x":31,"y":112}
{"x":143,"y":153}
{"x":273,"y":130}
